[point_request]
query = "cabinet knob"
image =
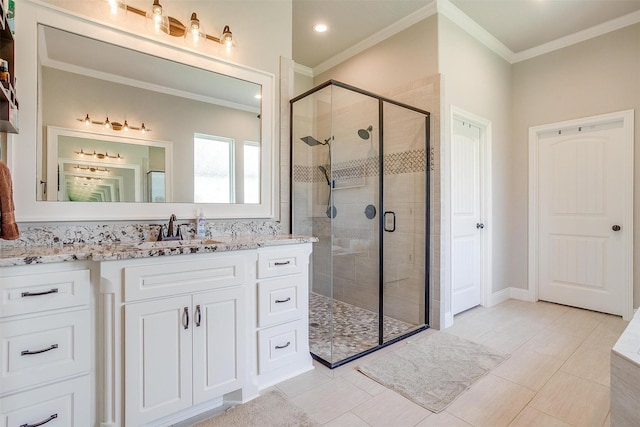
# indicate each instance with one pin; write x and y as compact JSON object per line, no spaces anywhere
{"x":616,"y":228}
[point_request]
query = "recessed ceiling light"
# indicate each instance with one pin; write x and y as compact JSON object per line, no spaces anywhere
{"x":320,"y":28}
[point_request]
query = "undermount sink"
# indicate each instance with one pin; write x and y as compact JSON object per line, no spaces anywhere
{"x":176,"y":243}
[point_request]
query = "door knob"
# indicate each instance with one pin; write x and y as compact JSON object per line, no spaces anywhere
{"x":616,"y":228}
{"x":479,"y":226}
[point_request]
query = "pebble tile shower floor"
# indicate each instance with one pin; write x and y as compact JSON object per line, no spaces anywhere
{"x":355,"y":329}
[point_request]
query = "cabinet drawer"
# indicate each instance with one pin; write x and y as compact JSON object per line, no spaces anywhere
{"x":44,"y":348}
{"x":159,"y":280}
{"x":65,"y":404}
{"x":34,"y":293}
{"x":279,"y":262}
{"x":280,"y":345}
{"x":279,"y":300}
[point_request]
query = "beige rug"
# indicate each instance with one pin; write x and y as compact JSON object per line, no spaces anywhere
{"x":268,"y":410}
{"x":434,"y":370}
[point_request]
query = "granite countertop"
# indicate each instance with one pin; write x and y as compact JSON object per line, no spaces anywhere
{"x":33,"y":254}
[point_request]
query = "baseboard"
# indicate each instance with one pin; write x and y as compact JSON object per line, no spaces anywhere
{"x":508,"y":293}
{"x":448,"y":320}
{"x":499,"y":296}
{"x":519,"y":293}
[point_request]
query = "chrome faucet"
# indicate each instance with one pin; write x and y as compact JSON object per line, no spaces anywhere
{"x":170,"y":234}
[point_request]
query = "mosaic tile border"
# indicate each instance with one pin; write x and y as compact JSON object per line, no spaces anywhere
{"x":394,"y":164}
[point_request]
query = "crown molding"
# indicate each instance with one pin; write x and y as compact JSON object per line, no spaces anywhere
{"x":303,"y":69}
{"x":385,"y":33}
{"x":446,"y":8}
{"x":598,"y":30}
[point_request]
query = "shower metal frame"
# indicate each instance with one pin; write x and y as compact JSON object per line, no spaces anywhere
{"x":381,"y":231}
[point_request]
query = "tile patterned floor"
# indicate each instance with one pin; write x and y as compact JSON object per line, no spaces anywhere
{"x":354,"y":329}
{"x":557,"y":375}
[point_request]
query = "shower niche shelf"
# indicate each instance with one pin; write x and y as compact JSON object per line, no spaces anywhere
{"x":350,"y":177}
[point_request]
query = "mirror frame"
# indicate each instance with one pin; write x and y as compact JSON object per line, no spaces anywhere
{"x":24,"y":149}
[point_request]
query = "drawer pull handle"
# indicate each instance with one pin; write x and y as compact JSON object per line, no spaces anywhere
{"x":51,"y":418}
{"x":44,"y":350}
{"x":280,"y":301}
{"x":280,"y":347}
{"x":282,"y":263}
{"x":198,"y":317}
{"x":185,"y":318}
{"x":35,"y":294}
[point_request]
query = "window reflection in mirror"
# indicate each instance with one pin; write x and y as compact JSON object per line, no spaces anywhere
{"x":80,"y":76}
{"x":226,"y":171}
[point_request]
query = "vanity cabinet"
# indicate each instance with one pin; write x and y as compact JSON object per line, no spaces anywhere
{"x":283,"y":314}
{"x":182,"y":351}
{"x":184,"y":332}
{"x":46,"y":360}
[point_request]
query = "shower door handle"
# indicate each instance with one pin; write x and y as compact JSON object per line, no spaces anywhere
{"x":389,"y":221}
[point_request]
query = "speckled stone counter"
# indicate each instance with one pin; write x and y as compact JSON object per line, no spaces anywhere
{"x":35,"y":254}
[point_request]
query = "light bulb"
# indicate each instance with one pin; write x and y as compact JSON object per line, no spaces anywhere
{"x":125,"y":126}
{"x":87,"y":120}
{"x":143,"y":129}
{"x":158,"y":18}
{"x":226,"y":39}
{"x":107,"y":124}
{"x":113,"y":6}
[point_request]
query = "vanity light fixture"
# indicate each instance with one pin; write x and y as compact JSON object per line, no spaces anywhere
{"x":91,"y":169}
{"x":107,"y":124}
{"x":161,"y":22}
{"x":100,"y":156}
{"x":88,"y":178}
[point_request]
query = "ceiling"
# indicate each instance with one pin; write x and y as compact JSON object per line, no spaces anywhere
{"x":519,"y":25}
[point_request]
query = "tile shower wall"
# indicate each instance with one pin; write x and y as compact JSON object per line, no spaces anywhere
{"x":354,"y":259}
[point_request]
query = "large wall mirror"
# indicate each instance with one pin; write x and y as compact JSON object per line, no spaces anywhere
{"x":139,"y":127}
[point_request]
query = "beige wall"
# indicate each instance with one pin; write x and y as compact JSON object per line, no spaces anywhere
{"x":479,"y":81}
{"x":598,"y":76}
{"x":408,"y":55}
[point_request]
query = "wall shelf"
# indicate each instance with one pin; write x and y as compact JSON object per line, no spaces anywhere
{"x":8,"y":99}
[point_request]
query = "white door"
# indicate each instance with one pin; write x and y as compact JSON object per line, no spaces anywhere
{"x":582,"y":185}
{"x":218,"y":343}
{"x":158,"y":367}
{"x":466,"y":221}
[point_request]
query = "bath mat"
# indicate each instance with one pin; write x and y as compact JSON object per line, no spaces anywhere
{"x":268,"y":410}
{"x":434,"y":370}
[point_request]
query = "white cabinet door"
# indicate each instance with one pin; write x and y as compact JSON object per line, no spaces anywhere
{"x":218,"y":343}
{"x":158,"y":351}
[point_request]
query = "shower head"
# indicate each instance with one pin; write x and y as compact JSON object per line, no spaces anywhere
{"x":365,"y":133}
{"x":326,"y":175}
{"x":312,"y":142}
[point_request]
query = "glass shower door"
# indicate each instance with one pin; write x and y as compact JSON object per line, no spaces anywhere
{"x":354,"y":225}
{"x":403,"y":220}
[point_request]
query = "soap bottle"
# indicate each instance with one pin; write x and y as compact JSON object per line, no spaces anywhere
{"x":201,"y":226}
